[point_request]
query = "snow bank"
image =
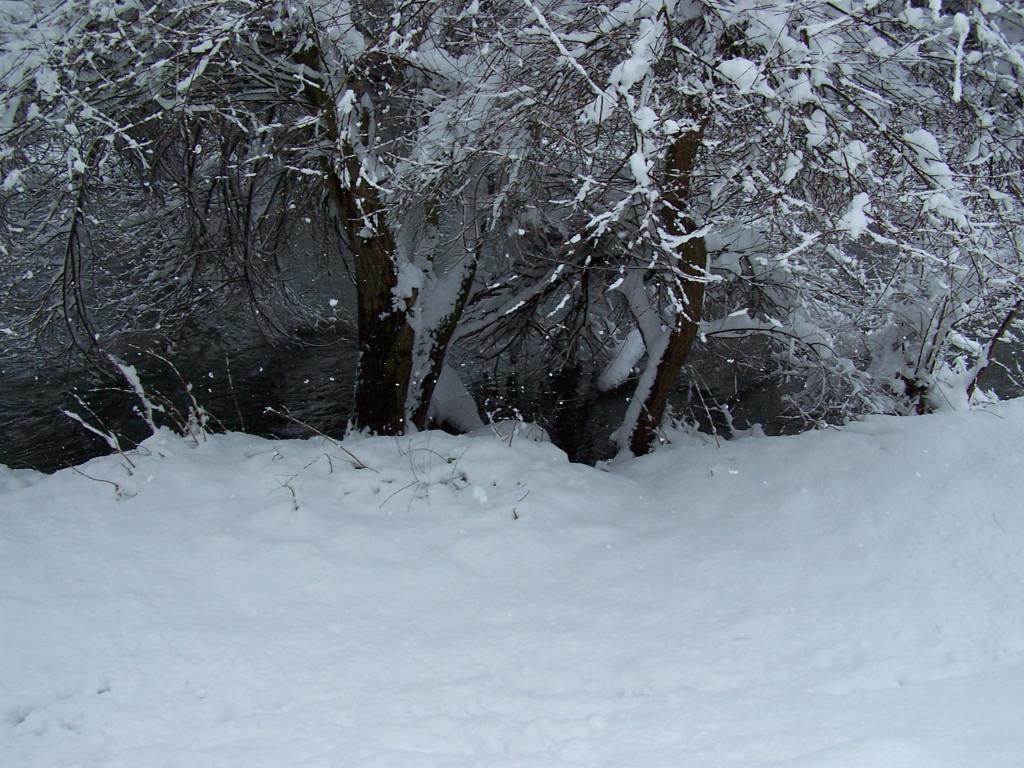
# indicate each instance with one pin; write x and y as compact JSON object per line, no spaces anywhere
{"x":830,"y":600}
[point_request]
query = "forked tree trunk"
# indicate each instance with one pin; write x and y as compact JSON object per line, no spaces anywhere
{"x":692,"y":267}
{"x":385,"y":336}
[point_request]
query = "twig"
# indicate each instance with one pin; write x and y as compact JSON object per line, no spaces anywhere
{"x":357,"y":463}
{"x":288,"y":484}
{"x":108,"y":436}
{"x":403,"y":488}
{"x":118,"y":490}
{"x":234,"y":395}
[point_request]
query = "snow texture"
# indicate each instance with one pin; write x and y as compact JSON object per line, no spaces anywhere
{"x":855,"y":221}
{"x":745,"y":75}
{"x":452,"y":404}
{"x":830,"y":600}
{"x":626,"y":358}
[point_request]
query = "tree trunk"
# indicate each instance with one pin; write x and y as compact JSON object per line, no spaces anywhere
{"x":986,"y":360}
{"x":689,"y":281}
{"x":385,"y":336}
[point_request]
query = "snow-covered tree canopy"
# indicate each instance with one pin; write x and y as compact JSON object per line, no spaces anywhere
{"x":623,"y":183}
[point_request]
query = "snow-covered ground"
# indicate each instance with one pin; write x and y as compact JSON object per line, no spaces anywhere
{"x":841,"y":599}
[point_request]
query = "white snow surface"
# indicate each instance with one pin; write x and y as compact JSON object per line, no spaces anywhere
{"x":839,"y":599}
{"x":855,"y":221}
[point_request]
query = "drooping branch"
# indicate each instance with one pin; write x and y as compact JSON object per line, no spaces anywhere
{"x":76,"y":312}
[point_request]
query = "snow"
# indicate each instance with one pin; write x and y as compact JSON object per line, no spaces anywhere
{"x":626,"y":357}
{"x":794,"y":162}
{"x":410,"y":281}
{"x":452,"y":404}
{"x":855,"y":221}
{"x":799,"y":90}
{"x":929,"y":157}
{"x":830,"y":600}
{"x":645,"y":119}
{"x":817,"y":129}
{"x":745,"y":75}
{"x":852,"y":156}
{"x":640,"y":167}
{"x":11,"y":180}
{"x":741,"y":72}
{"x":962,"y":26}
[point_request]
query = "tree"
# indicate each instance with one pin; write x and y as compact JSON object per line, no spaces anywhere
{"x":834,"y":188}
{"x":225,"y":112}
{"x":853,"y":171}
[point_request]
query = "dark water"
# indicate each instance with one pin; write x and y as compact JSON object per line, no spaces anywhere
{"x":314,"y":384}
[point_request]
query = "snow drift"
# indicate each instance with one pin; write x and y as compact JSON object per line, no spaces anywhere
{"x":832,"y":600}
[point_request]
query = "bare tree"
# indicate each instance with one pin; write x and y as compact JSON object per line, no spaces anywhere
{"x":839,"y":186}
